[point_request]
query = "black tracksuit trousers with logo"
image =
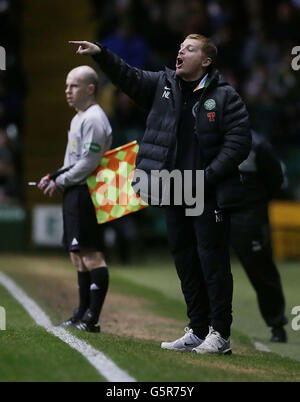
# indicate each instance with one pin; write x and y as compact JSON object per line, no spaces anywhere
{"x":251,"y":241}
{"x":200,"y":248}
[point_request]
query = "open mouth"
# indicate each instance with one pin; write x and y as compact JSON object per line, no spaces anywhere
{"x":179,"y":62}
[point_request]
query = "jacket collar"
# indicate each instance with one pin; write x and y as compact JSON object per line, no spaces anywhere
{"x":203,"y":83}
{"x":214,"y":78}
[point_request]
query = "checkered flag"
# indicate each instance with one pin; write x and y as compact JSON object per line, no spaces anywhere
{"x":110,"y":184}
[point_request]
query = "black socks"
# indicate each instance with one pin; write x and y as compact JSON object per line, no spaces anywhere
{"x":84,"y":283}
{"x":92,"y":287}
{"x":99,"y":278}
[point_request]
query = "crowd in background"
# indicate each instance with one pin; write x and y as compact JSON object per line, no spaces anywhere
{"x":254,"y":40}
{"x":11,"y":92}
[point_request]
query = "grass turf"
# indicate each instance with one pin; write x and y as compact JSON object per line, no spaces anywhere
{"x":29,"y":354}
{"x":157,"y":290}
{"x":246,"y":316}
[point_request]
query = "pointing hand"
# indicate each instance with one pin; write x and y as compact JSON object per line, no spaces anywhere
{"x":85,"y":48}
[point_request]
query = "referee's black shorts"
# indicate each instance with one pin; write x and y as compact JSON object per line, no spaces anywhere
{"x":81,"y":230}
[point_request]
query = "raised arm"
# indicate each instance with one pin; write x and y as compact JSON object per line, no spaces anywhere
{"x":138,"y":84}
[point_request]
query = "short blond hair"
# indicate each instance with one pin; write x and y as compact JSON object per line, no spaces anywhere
{"x":208,"y":46}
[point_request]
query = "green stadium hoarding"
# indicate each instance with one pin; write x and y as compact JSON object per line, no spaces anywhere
{"x":12,"y":228}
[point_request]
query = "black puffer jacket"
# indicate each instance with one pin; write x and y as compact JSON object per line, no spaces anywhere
{"x":222,"y":124}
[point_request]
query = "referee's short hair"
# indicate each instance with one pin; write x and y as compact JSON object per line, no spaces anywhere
{"x":90,"y":76}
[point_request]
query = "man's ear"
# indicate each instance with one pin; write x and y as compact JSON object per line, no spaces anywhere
{"x":91,"y":88}
{"x":207,"y":62}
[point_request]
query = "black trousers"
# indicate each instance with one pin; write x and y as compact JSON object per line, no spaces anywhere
{"x":81,"y":230}
{"x":200,"y":248}
{"x":251,"y":241}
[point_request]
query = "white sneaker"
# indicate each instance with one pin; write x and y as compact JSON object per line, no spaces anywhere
{"x":213,"y":343}
{"x":187,"y":342}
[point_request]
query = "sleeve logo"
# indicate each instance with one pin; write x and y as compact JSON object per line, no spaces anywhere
{"x":92,"y":146}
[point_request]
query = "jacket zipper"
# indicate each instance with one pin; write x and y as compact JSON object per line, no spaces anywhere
{"x":176,"y":144}
{"x":195,"y":129}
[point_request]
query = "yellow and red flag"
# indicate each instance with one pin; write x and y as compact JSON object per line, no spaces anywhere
{"x":110,"y":184}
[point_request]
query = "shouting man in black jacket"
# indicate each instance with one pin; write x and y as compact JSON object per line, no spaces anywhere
{"x":196,"y":122}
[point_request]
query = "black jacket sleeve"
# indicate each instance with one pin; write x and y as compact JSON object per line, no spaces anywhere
{"x":237,"y":139}
{"x":269,"y":169}
{"x":138,"y":84}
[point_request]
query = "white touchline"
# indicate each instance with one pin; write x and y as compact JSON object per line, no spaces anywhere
{"x":105,"y":366}
{"x":260,"y":346}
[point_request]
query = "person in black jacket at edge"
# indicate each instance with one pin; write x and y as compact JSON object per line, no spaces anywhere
{"x":196,"y":121}
{"x":250,"y":232}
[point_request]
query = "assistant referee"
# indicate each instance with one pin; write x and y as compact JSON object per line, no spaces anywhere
{"x":88,"y":139}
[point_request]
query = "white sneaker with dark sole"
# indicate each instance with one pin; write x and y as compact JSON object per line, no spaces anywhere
{"x":213,"y":344}
{"x":187,"y":342}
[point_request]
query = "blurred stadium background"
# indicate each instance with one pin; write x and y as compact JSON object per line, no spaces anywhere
{"x":254,"y":38}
